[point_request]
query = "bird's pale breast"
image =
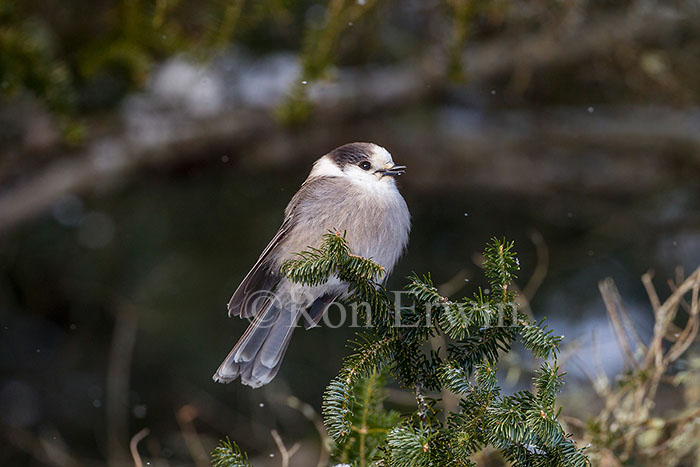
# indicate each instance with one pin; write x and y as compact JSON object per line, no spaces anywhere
{"x":376,"y":221}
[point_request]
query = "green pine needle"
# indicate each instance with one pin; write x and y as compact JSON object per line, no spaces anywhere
{"x":500,"y":265}
{"x":228,"y":454}
{"x":409,"y":447}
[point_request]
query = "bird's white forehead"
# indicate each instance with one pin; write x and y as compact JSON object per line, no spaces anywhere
{"x":380,"y":154}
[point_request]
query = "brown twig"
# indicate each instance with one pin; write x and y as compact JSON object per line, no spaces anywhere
{"x":627,"y":411}
{"x":308,"y":411}
{"x":420,"y":401}
{"x":285,"y":453}
{"x":43,"y":451}
{"x":665,"y":314}
{"x":688,"y":334}
{"x":541,"y":267}
{"x":651,"y":291}
{"x":134,"y":446}
{"x":612,"y":300}
{"x":118,"y":378}
{"x":185,"y":418}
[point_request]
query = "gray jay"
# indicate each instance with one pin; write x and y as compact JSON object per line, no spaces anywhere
{"x":350,"y":189}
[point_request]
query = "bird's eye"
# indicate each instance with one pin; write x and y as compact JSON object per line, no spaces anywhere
{"x":364,"y":165}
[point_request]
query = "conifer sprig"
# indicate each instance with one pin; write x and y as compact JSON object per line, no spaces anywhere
{"x":228,"y":454}
{"x":315,"y":265}
{"x":370,"y":356}
{"x":500,"y":265}
{"x":539,"y":338}
{"x":479,"y":329}
{"x":371,"y":422}
{"x":409,"y":446}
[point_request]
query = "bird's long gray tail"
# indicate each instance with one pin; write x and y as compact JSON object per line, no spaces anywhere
{"x":257,"y":356}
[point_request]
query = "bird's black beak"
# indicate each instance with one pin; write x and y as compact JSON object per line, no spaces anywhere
{"x":393,"y":171}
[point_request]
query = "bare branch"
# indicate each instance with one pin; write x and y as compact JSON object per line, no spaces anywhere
{"x":356,"y":94}
{"x":665,"y":315}
{"x":284,"y":452}
{"x":134,"y":446}
{"x":308,"y":411}
{"x":185,"y":418}
{"x":540,"y":272}
{"x":118,"y":380}
{"x":651,"y":291}
{"x":612,"y":300}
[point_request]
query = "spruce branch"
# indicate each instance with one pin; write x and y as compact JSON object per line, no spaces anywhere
{"x":228,"y":454}
{"x":454,"y":378}
{"x":500,"y":265}
{"x":538,"y":338}
{"x":409,"y":446}
{"x":315,"y":265}
{"x":371,"y":422}
{"x":423,"y":290}
{"x":523,"y":426}
{"x":370,"y":356}
{"x":548,"y":382}
{"x":473,"y":350}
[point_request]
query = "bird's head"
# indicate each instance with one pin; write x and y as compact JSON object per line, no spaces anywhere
{"x":362,"y":163}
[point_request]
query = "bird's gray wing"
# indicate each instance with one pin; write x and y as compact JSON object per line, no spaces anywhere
{"x":260,"y":278}
{"x":264,"y":276}
{"x":257,"y":356}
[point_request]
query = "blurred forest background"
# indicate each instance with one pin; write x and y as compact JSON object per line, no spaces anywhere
{"x":148,"y":148}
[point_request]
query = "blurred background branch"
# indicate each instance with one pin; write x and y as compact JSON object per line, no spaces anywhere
{"x":147,"y":133}
{"x":118,"y":379}
{"x":631,"y":428}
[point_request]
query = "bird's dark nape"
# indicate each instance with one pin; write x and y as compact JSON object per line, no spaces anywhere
{"x":351,"y":154}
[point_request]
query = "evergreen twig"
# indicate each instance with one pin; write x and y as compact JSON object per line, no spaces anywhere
{"x":228,"y":454}
{"x":524,"y":426}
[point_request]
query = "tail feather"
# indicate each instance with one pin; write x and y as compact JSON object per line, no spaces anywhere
{"x":278,"y":339}
{"x":255,"y":336}
{"x":258,"y":355}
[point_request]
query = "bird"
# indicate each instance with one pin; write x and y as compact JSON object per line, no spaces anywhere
{"x":351,"y":189}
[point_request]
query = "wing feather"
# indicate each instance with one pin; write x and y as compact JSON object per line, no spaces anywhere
{"x":261,"y":276}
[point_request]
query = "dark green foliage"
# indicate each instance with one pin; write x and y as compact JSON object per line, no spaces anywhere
{"x":228,"y":454}
{"x":30,"y":43}
{"x":114,"y":45}
{"x":371,"y":355}
{"x":522,"y":426}
{"x":409,"y":446}
{"x":538,"y":339}
{"x":500,"y":265}
{"x":315,"y":266}
{"x":370,"y":421}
